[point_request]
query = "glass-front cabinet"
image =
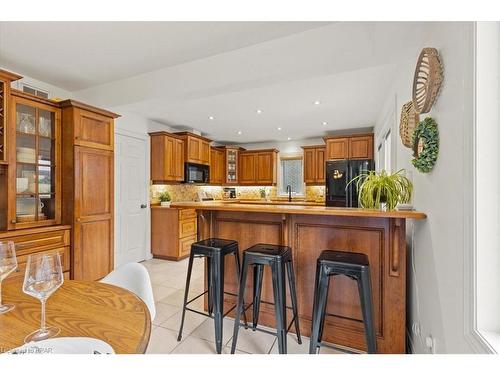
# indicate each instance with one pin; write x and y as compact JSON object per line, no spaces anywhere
{"x":35,"y":164}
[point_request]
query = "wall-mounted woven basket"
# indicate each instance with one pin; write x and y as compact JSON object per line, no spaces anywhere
{"x":427,"y":80}
{"x":408,"y":123}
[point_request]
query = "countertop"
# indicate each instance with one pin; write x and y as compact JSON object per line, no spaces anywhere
{"x":295,"y":209}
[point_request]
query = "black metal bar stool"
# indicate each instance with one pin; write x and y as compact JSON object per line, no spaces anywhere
{"x":215,"y":249}
{"x":279,"y":258}
{"x":355,"y":266}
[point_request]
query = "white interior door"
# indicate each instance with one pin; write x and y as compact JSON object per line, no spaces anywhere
{"x":131,"y":198}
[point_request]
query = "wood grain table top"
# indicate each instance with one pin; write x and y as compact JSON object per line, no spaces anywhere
{"x":79,"y":309}
{"x":296,"y":209}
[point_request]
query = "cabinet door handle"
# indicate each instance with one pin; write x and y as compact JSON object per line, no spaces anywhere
{"x":144,"y":205}
{"x":78,"y":219}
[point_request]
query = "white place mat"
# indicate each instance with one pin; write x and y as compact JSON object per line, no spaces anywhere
{"x":65,"y":345}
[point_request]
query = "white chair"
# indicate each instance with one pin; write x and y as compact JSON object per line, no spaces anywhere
{"x":135,"y":278}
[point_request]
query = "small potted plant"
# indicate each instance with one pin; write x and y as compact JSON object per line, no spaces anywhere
{"x":165,"y":199}
{"x":262,"y":192}
{"x":382,"y":190}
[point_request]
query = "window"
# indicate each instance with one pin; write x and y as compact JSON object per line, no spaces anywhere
{"x":291,"y":174}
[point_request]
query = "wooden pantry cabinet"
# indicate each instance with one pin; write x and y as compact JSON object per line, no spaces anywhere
{"x":88,"y":187}
{"x":314,"y":165}
{"x":196,"y":148}
{"x":173,"y":231}
{"x":258,"y":167}
{"x":359,"y":146}
{"x":167,"y":158}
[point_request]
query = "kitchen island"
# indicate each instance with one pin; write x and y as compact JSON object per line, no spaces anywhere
{"x":308,"y":230}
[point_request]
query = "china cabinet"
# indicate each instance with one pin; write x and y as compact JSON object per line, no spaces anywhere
{"x":34,"y":162}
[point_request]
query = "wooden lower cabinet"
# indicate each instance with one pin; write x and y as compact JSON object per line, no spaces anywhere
{"x":173,"y":231}
{"x":39,"y":241}
{"x":381,"y":239}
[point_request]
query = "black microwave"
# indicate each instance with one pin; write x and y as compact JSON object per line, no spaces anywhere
{"x":196,"y":173}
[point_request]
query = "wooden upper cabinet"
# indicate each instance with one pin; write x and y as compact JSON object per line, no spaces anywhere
{"x":167,"y":158}
{"x":320,"y":164}
{"x":217,"y":160}
{"x":196,"y":148}
{"x":193,"y":152}
{"x":349,"y":147}
{"x":314,"y":164}
{"x":205,"y":152}
{"x":247,"y":167}
{"x":309,"y":165}
{"x":92,"y":127}
{"x":258,"y":167}
{"x":361,"y":147}
{"x":266,"y":168}
{"x":337,"y":148}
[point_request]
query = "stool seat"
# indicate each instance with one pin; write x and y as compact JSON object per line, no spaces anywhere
{"x":343,"y":257}
{"x":215,"y":244}
{"x":267,"y":250}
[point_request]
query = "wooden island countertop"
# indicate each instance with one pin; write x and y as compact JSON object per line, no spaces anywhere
{"x":308,"y":230}
{"x":297,"y":209}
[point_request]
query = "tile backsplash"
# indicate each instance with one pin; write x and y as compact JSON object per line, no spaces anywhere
{"x":186,"y":192}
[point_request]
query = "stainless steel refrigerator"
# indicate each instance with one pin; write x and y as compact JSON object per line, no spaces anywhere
{"x":338,"y":175}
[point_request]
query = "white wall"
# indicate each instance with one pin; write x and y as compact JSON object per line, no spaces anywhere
{"x":54,"y":91}
{"x":285,"y":147}
{"x":436,"y":295}
{"x":488,"y":175}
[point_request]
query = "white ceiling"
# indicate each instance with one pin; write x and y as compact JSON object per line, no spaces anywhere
{"x":77,"y":55}
{"x":180,"y":74}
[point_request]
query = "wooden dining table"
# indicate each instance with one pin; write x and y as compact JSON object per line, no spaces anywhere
{"x":79,"y":309}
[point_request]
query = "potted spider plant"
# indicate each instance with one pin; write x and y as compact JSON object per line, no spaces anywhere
{"x":383,"y":191}
{"x":164,"y":198}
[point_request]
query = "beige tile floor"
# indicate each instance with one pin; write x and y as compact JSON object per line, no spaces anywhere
{"x":168,"y":279}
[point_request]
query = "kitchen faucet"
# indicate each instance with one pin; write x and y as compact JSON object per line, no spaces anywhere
{"x":289,"y":191}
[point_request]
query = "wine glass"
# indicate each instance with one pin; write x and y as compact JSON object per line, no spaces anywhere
{"x":8,"y":263}
{"x":43,"y":277}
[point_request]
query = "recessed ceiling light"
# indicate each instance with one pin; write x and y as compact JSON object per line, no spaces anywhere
{"x":259,"y":111}
{"x":317,"y":102}
{"x":289,"y":138}
{"x":325,"y":123}
{"x":279,"y":128}
{"x":211,"y":117}
{"x":240,"y":132}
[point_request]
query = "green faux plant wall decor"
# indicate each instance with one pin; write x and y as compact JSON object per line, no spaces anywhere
{"x":425,"y":145}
